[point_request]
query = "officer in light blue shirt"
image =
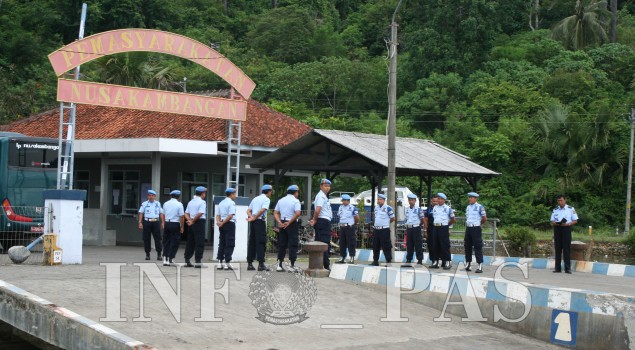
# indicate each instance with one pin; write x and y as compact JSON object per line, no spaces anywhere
{"x":151,"y":221}
{"x":414,"y":221}
{"x":226,"y":222}
{"x":475,"y":216}
{"x":562,"y":218}
{"x":443,"y":217}
{"x":174,"y":221}
{"x":286,"y":214}
{"x":322,"y":217}
{"x":257,"y":218}
{"x":384,"y":215}
{"x":348,"y":217}
{"x":195,"y":216}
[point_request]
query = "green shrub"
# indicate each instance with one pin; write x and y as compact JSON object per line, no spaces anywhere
{"x":519,"y":237}
{"x":630,"y":241}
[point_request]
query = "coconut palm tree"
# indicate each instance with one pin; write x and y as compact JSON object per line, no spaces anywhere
{"x":585,"y":28}
{"x":578,"y":150}
{"x":137,"y":69}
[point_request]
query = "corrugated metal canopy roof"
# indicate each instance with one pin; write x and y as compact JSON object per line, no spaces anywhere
{"x":358,"y":153}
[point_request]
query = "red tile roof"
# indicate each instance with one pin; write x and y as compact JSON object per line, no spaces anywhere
{"x":264,"y":126}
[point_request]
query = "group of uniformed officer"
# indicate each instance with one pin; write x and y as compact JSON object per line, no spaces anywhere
{"x":172,"y":219}
{"x":433,"y":226}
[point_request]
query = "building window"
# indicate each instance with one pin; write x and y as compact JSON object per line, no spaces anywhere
{"x":219,"y":185}
{"x":189,"y":182}
{"x":124,"y":193}
{"x":81,"y":181}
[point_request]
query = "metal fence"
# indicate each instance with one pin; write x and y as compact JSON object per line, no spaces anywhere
{"x":364,"y":233}
{"x":20,"y":226}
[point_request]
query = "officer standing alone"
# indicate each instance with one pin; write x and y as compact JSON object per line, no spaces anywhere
{"x":322,"y":217}
{"x":384,"y":215}
{"x":348,"y":216}
{"x":151,"y":221}
{"x":475,"y":216}
{"x":414,"y":221}
{"x":174,"y":221}
{"x":286,"y":213}
{"x":562,"y":218}
{"x":226,"y":222}
{"x":257,"y":218}
{"x":195,"y":216}
{"x":443,"y":218}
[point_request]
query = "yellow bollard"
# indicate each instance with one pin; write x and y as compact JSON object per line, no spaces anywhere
{"x":52,"y":253}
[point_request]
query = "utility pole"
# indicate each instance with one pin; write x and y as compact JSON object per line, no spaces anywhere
{"x":392,"y":122}
{"x":627,"y":222}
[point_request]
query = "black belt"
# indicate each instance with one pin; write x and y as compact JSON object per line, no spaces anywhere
{"x":412,"y":226}
{"x":172,"y":221}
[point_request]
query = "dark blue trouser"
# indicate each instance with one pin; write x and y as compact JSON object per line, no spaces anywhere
{"x":414,"y":243}
{"x":195,"y":241}
{"x":442,"y":243}
{"x":152,"y":228}
{"x":432,"y":254}
{"x":474,"y":237}
{"x":381,"y":241}
{"x":562,"y":242}
{"x":172,"y":238}
{"x":347,"y":240}
{"x":323,"y":234}
{"x":288,"y":237}
{"x":257,"y":242}
{"x":226,"y":241}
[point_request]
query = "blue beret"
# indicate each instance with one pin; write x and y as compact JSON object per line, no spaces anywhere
{"x":201,"y":189}
{"x":230,"y":190}
{"x":266,"y":187}
{"x":175,"y":193}
{"x":325,"y":181}
{"x":293,"y":188}
{"x":381,"y":196}
{"x":442,"y":195}
{"x":346,"y":197}
{"x":472,"y":194}
{"x":152,"y":192}
{"x":412,"y":196}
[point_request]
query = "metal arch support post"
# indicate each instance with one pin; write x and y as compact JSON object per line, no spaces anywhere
{"x":66,"y":156}
{"x":234,"y":132}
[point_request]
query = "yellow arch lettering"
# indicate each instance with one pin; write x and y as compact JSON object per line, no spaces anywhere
{"x":104,"y":95}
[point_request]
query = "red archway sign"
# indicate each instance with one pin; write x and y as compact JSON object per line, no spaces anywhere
{"x":129,"y":40}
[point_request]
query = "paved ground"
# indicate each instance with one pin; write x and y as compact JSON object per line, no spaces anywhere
{"x":81,"y":288}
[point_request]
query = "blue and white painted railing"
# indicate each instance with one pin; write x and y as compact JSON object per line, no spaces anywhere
{"x":598,"y":268}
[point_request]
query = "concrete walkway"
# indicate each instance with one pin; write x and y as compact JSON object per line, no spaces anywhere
{"x":81,"y":288}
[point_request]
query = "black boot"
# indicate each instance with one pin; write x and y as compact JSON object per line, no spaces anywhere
{"x":480,"y":268}
{"x":435,"y":265}
{"x":250,"y":267}
{"x":262,"y":267}
{"x":188,"y":263}
{"x":375,"y":263}
{"x":159,"y":256}
{"x":468,"y":266}
{"x":147,"y":256}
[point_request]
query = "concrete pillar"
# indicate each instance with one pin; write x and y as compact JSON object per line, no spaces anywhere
{"x":156,"y":173}
{"x":64,"y":216}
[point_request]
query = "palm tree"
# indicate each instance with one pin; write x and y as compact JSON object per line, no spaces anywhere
{"x":135,"y":69}
{"x":585,"y":28}
{"x":576,"y":150}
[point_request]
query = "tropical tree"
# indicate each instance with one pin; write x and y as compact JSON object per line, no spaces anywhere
{"x":585,"y":28}
{"x":133,"y":69}
{"x":578,"y":150}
